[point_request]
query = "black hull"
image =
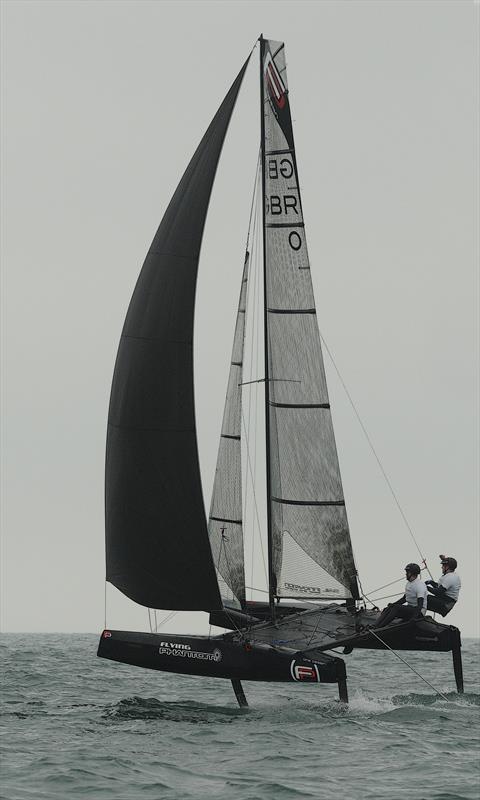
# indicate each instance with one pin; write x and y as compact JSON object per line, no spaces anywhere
{"x":216,"y":658}
{"x":242,"y":656}
{"x":426,"y":635}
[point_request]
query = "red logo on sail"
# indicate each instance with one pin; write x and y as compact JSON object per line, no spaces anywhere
{"x":274,"y":82}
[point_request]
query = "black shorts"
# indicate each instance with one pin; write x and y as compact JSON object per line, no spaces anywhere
{"x":439,"y":606}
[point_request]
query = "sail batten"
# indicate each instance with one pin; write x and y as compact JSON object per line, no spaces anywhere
{"x":300,"y":405}
{"x":308,"y":502}
{"x":157,"y":547}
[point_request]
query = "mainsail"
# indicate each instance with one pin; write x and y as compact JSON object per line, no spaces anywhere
{"x":310,"y":548}
{"x":225,"y":520}
{"x":157,"y":547}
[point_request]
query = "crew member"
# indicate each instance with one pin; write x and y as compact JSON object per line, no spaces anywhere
{"x":444,"y":594}
{"x":412,"y":605}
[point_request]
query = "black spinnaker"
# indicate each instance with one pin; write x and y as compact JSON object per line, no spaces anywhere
{"x":157,"y":548}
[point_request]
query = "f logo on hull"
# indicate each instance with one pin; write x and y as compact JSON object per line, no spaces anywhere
{"x":305,"y":673}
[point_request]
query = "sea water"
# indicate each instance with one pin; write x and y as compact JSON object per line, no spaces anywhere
{"x":75,"y":726}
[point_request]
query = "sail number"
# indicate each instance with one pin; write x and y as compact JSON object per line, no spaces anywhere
{"x":284,"y":167}
{"x":284,"y":205}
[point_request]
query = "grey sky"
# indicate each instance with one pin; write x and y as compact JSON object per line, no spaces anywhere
{"x":103,"y":105}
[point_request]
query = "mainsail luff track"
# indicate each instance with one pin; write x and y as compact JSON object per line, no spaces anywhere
{"x":272,"y":588}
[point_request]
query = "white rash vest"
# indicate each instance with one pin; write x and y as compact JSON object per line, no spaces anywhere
{"x":414,"y":590}
{"x":451,"y":583}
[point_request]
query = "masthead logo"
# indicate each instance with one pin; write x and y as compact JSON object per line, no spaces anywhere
{"x":275,"y":84}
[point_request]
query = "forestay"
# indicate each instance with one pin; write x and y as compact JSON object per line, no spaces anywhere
{"x":310,"y":541}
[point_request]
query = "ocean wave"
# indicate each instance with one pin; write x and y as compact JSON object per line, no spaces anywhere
{"x":150,"y":708}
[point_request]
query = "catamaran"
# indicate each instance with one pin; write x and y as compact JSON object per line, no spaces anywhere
{"x":161,"y":550}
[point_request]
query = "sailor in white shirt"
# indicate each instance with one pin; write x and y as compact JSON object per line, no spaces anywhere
{"x":412,"y":605}
{"x":444,"y":594}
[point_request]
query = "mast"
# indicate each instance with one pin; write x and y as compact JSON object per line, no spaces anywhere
{"x":271,"y":581}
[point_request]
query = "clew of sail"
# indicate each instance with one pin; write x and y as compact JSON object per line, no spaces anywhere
{"x":157,"y":547}
{"x":225,"y":520}
{"x":311,"y":550}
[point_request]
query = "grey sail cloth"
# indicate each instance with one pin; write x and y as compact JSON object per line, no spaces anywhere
{"x":157,"y":547}
{"x":310,"y":539}
{"x":225,"y":521}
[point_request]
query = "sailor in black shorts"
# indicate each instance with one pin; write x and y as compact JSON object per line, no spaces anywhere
{"x":444,"y":594}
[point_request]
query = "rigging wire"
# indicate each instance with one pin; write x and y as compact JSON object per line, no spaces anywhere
{"x":254,"y":200}
{"x":254,"y":370}
{"x":375,"y":454}
{"x":253,"y":302}
{"x":244,"y":293}
{"x":364,"y":596}
{"x":166,"y":619}
{"x":408,"y":665}
{"x":222,"y":544}
{"x":154,"y":627}
{"x":384,"y":597}
{"x":323,"y":610}
{"x":251,"y":287}
{"x":270,"y":380}
{"x":254,"y":499}
{"x":386,"y":585}
{"x":105,"y":607}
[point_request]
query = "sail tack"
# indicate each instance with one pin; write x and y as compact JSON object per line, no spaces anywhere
{"x":157,"y":546}
{"x":310,"y":541}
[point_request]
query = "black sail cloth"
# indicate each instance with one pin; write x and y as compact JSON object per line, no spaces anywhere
{"x":157,"y":548}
